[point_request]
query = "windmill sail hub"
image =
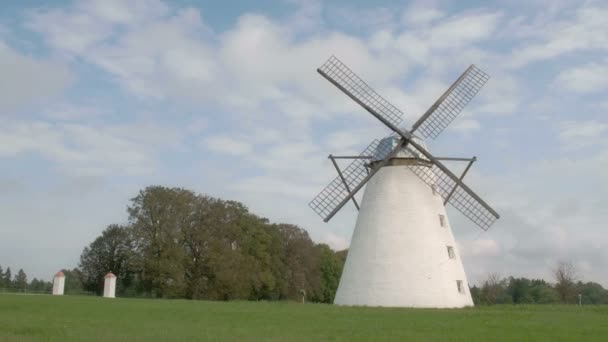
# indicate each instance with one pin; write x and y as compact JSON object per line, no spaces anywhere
{"x":403,"y":252}
{"x":406,"y":155}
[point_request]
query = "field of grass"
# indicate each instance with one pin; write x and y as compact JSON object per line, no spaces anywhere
{"x":76,"y":318}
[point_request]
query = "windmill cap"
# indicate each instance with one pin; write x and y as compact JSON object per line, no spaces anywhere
{"x":110,"y":275}
{"x":387,"y":144}
{"x":59,"y":274}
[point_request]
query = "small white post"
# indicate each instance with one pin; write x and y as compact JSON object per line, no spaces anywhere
{"x":109,"y":286}
{"x":58,"y":284}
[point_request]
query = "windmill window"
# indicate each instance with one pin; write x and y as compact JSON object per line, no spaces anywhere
{"x":451,"y":253}
{"x":459,"y":286}
{"x":442,"y":220}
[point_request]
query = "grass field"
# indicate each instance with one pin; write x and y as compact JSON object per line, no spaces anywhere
{"x":74,"y":318}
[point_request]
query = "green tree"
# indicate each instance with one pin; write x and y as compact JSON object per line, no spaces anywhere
{"x":8,"y":278}
{"x":73,"y":281}
{"x":302,"y":271}
{"x":158,"y":216}
{"x":195,"y":246}
{"x":494,"y":290}
{"x":331,"y":270}
{"x":475,"y":295}
{"x":592,"y":293}
{"x":542,"y":292}
{"x":519,"y":289}
{"x":565,"y":278}
{"x":37,"y":285}
{"x":20,"y":283}
{"x":110,"y":252}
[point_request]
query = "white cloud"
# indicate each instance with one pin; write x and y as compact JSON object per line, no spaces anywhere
{"x":464,"y":29}
{"x":589,"y":78}
{"x":481,"y":248}
{"x":271,"y":185}
{"x":587,"y":29}
{"x":228,"y":144}
{"x":80,"y":149}
{"x":421,"y":14}
{"x":346,"y":141}
{"x":27,"y":80}
{"x":81,"y":27}
{"x":335,"y":241}
{"x":72,"y":112}
{"x":578,"y":134}
{"x":465,"y":126}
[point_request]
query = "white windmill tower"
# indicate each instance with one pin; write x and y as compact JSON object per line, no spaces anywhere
{"x":403,"y":252}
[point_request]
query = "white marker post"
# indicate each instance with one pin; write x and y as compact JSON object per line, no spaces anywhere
{"x":58,"y":284}
{"x":109,"y":286}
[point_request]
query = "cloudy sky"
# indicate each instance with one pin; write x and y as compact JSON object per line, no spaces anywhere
{"x":99,"y":99}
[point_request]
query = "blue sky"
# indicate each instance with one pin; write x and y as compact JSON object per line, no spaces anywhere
{"x":102,"y":98}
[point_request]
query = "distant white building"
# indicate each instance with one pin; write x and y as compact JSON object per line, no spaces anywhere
{"x":58,"y":284}
{"x":109,"y":286}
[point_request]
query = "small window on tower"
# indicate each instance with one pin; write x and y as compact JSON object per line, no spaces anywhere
{"x":441,"y":220}
{"x":451,"y":253}
{"x":460,"y":286}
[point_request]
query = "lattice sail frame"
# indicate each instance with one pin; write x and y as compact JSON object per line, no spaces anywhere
{"x":431,"y":124}
{"x":341,"y":76}
{"x":335,"y":192}
{"x":460,"y":199}
{"x":453,"y":102}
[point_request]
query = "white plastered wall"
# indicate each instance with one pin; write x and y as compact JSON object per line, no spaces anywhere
{"x":109,"y":286}
{"x":58,"y":285}
{"x":398,"y":254}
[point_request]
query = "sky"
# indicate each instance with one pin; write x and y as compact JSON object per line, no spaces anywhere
{"x":99,"y":99}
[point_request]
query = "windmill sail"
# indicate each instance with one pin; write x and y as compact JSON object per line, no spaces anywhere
{"x":451,"y":103}
{"x":466,"y":201}
{"x":352,"y":85}
{"x":336,"y":193}
{"x":430,"y":124}
{"x":397,"y":256}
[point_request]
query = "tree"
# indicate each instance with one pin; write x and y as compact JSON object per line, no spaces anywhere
{"x":331,"y":270}
{"x":8,"y":278}
{"x":110,"y":252}
{"x":73,"y":281}
{"x":158,"y":215}
{"x":302,"y":271}
{"x":475,"y":295}
{"x":40,"y":286}
{"x":188,"y":245}
{"x":542,"y":292}
{"x":592,"y":293}
{"x":565,"y":278}
{"x":519,"y":289}
{"x":20,"y":283}
{"x":493,"y":290}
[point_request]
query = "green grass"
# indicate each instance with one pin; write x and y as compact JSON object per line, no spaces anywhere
{"x":75,"y":318}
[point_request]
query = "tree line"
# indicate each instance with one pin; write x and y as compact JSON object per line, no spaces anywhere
{"x":566,"y":289}
{"x":179,"y":244}
{"x":19,"y":282}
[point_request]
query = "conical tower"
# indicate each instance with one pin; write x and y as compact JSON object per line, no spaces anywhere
{"x":402,"y":252}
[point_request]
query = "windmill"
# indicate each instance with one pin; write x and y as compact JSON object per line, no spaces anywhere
{"x":403,"y":252}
